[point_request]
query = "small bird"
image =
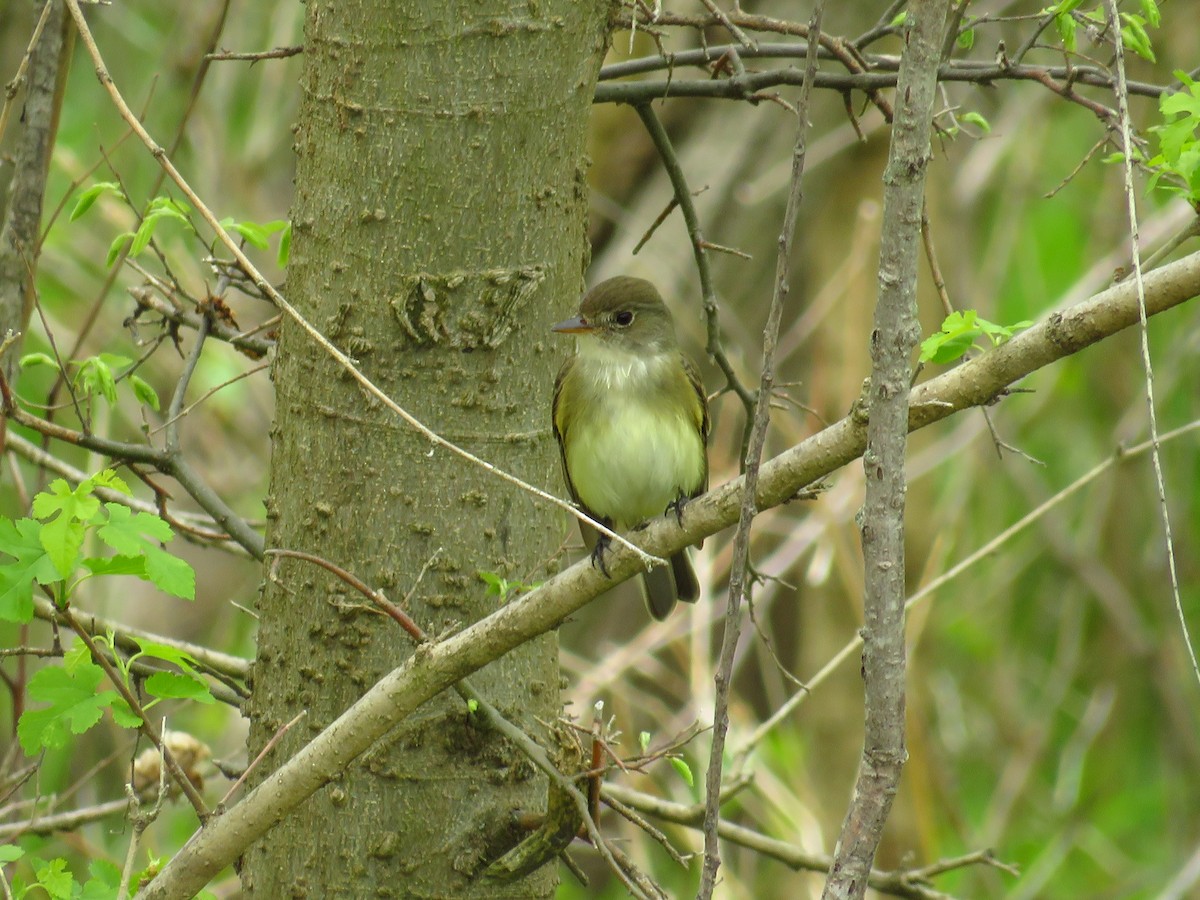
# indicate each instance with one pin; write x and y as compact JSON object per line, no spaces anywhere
{"x":631,"y":420}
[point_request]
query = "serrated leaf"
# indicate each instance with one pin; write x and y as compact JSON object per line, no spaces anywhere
{"x":109,"y":479}
{"x":31,"y":565}
{"x":138,"y":535}
{"x":91,"y":195}
{"x":683,"y":769}
{"x":105,"y":882}
{"x":56,"y":879}
{"x":123,"y":715}
{"x":145,"y":394}
{"x":62,"y":536}
{"x":75,"y":706}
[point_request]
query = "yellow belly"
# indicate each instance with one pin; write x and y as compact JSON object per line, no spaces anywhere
{"x":629,"y":462}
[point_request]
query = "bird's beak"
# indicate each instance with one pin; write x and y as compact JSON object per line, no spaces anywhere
{"x":577,"y":325}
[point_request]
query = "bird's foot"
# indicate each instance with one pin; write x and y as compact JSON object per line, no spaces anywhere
{"x":676,"y":506}
{"x":598,"y":552}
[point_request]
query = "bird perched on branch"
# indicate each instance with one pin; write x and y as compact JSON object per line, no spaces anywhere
{"x":631,"y":420}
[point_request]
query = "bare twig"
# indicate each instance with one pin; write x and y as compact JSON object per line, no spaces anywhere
{"x":683,"y":196}
{"x":739,"y":565}
{"x":1122,"y":92}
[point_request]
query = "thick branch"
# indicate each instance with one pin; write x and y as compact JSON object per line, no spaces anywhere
{"x":430,"y":671}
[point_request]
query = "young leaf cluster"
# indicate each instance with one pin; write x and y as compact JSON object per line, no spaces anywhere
{"x":167,"y":209}
{"x":960,"y":331}
{"x":47,"y":549}
{"x":97,"y":376}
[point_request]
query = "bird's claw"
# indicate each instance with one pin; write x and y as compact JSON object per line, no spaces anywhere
{"x":676,"y":506}
{"x":598,"y":555}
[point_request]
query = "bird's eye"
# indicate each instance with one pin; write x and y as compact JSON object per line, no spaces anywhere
{"x":624,"y":318}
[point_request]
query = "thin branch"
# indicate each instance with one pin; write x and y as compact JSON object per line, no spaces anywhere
{"x":277,"y":53}
{"x":1160,"y":484}
{"x":683,"y":196}
{"x":901,"y":883}
{"x":71,"y":820}
{"x":739,"y":565}
{"x":881,"y":76}
{"x":129,"y":638}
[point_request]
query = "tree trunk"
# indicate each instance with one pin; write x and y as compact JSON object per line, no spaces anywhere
{"x":438,"y":229}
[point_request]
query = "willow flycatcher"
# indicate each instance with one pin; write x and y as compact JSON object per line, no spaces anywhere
{"x":631,"y":420}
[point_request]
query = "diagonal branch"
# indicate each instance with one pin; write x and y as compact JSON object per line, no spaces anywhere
{"x":434,"y":668}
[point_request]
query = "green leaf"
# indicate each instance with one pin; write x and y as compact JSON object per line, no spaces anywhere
{"x":644,"y":740}
{"x":115,"y":248}
{"x":107,"y":478}
{"x":75,"y":705}
{"x":139,"y":534}
{"x":92,"y":194}
{"x":62,"y":537}
{"x":95,"y":377}
{"x":167,"y":653}
{"x":1151,"y":12}
{"x":29,"y":360}
{"x":974,"y":118}
{"x":160,"y":208}
{"x":32,"y":564}
{"x":683,"y":769}
{"x":899,"y":19}
{"x":1135,"y":37}
{"x":105,"y":882}
{"x":1064,"y":23}
{"x":56,"y":879}
{"x":116,"y":565}
{"x":123,"y":715}
{"x":145,"y":394}
{"x":10,"y":853}
{"x":179,"y":686}
{"x":285,"y":246}
{"x":966,"y":39}
{"x":254,"y":233}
